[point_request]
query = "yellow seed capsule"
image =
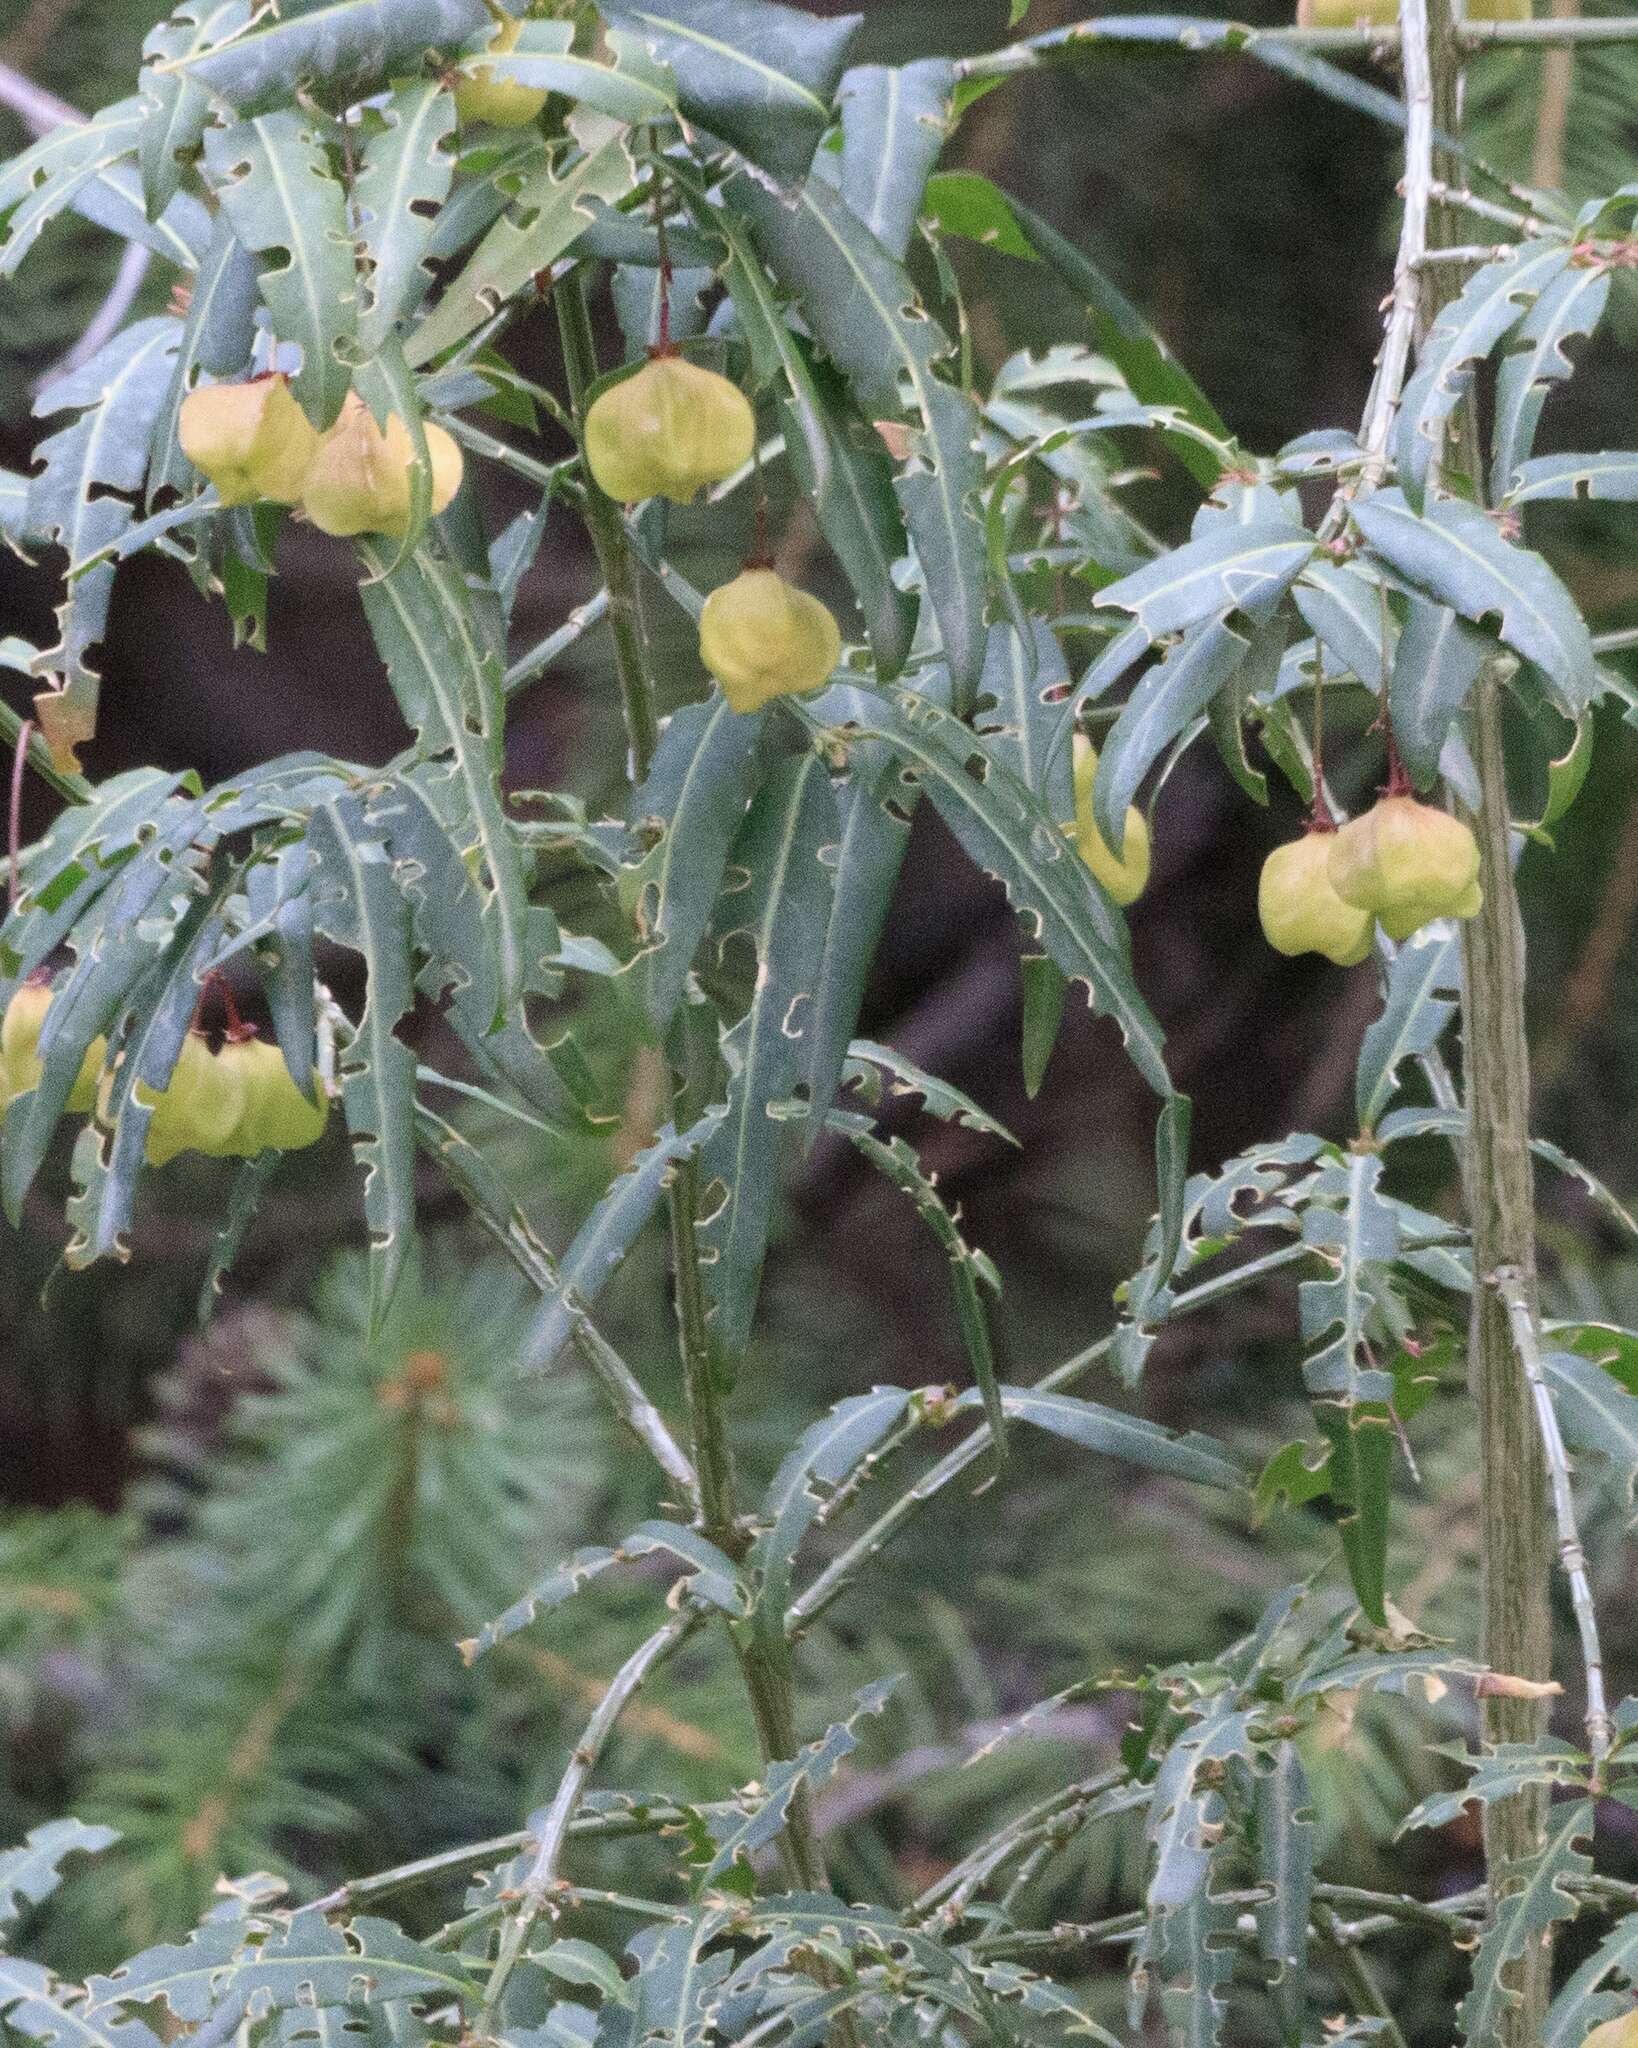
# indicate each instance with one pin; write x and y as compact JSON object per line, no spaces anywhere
{"x":1124,"y":876}
{"x":20,"y":1063}
{"x":1616,"y":2033}
{"x":763,"y":638}
{"x":502,"y":102}
{"x":277,"y":1116}
{"x":359,"y":481}
{"x":252,"y":440}
{"x":199,"y":1108}
{"x":1347,"y":13}
{"x":1407,"y":863}
{"x":668,"y":431}
{"x":1301,"y":912}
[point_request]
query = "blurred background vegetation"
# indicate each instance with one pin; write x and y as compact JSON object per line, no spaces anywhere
{"x":233,"y":1562}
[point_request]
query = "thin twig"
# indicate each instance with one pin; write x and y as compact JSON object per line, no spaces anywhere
{"x":1509,"y":1284}
{"x":1393,"y":364}
{"x":627,"y":1682}
{"x":556,"y":644}
{"x":1356,"y":1975}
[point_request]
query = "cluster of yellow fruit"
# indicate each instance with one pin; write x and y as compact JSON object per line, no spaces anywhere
{"x":231,"y":1104}
{"x":502,"y":102}
{"x":1617,"y":2033}
{"x":1401,"y":865}
{"x":666,"y":432}
{"x":1124,"y":875}
{"x":254,"y":442}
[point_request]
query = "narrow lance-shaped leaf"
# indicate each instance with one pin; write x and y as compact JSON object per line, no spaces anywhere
{"x":550,"y":207}
{"x":863,"y":310}
{"x":1568,"y":310}
{"x":895,"y":119}
{"x":633,"y":88}
{"x":32,"y":1871}
{"x":218,"y":337}
{"x":341,"y":51}
{"x":358,"y":904}
{"x":761,"y":75}
{"x":782,"y":913}
{"x":691,"y":806}
{"x":1170,"y":695}
{"x":404,"y":175}
{"x":275,"y":184}
{"x":1455,"y":553}
{"x":1349,"y":615}
{"x":1423,"y":987}
{"x":1231,"y":566}
{"x":1285,"y":1864}
{"x":76,"y":499}
{"x":1611,"y":476}
{"x":42,"y":180}
{"x":1492,"y":302}
{"x":607,"y":1235}
{"x":1435,"y":666}
{"x":1530,"y":1902}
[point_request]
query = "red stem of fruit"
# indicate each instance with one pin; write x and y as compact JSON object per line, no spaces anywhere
{"x":14,"y":817}
{"x":1398,"y":782}
{"x":222,"y":988}
{"x":664,"y":345}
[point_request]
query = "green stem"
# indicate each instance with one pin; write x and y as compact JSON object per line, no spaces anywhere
{"x":1516,"y":1521}
{"x":603,"y":523}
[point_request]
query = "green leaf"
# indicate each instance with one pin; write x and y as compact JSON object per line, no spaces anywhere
{"x":1529,"y":1904}
{"x":1490,"y":305}
{"x":1611,"y":477}
{"x":869,"y":1065}
{"x":761,"y":76}
{"x":1004,"y":829}
{"x":1285,"y":1864}
{"x":1169,"y":696}
{"x":823,"y":1458}
{"x":447,"y":678}
{"x":1044,"y":991}
{"x":1346,"y":611}
{"x":1435,"y":666}
{"x":1582,"y":2004}
{"x":1456,"y":554}
{"x":1231,"y":567}
{"x":691,"y":807}
{"x":1187,"y":1811}
{"x":75,"y":497}
{"x":739,"y":1837}
{"x":629,"y":90}
{"x":782,"y":910}
{"x":250,"y":1184}
{"x":837,"y":459}
{"x":218,"y":336}
{"x":708,"y":1575}
{"x":341,"y":52}
{"x":31,"y":1872}
{"x":864,"y":865}
{"x":1598,"y":1415}
{"x":550,"y":206}
{"x":1423,"y":988}
{"x":404,"y":175}
{"x":967,"y":203}
{"x":972,"y":1273}
{"x":178,"y":106}
{"x":895,"y":120}
{"x":1152,"y":372}
{"x":1200,"y":1459}
{"x":357,"y":903}
{"x":864,"y":313}
{"x":1020,"y":712}
{"x":39,"y":183}
{"x":1569,"y":309}
{"x":272,"y":178}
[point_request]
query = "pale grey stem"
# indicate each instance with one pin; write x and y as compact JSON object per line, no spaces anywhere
{"x":837,"y":1574}
{"x":1473,"y":252}
{"x":627,"y":1682}
{"x":1509,"y":1284}
{"x":38,"y":110}
{"x":1489,"y":209}
{"x":557,"y":644}
{"x":1393,"y":364}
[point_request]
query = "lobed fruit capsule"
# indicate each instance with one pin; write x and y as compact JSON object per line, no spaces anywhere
{"x":197,"y":1110}
{"x":1407,"y":863}
{"x":277,"y":1116}
{"x":1301,"y":912}
{"x":230,"y":1104}
{"x":502,"y":102}
{"x":359,"y":481}
{"x":1617,"y":2033}
{"x":668,"y":431}
{"x":763,"y":638}
{"x":20,"y":1063}
{"x":251,"y":440}
{"x":1125,"y":876}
